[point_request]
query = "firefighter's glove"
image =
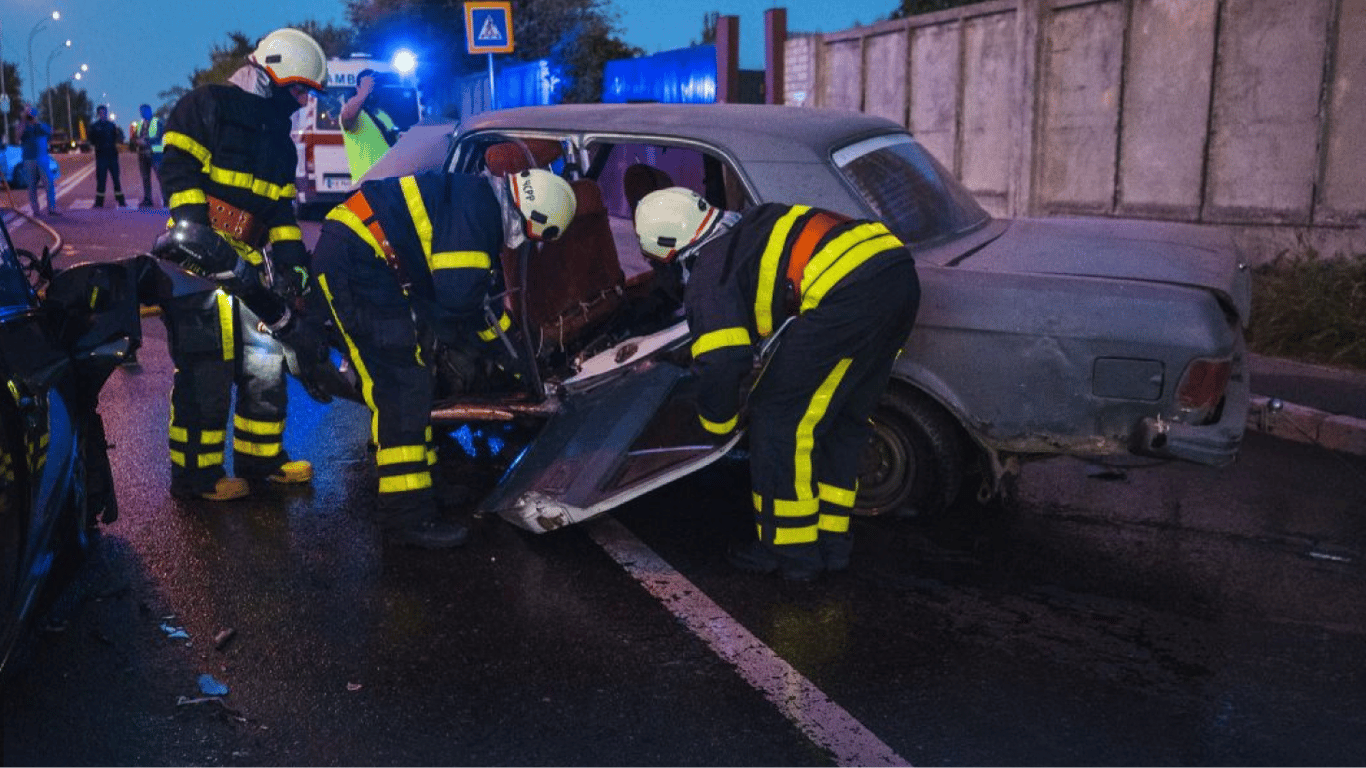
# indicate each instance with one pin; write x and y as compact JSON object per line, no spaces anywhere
{"x":294,"y":282}
{"x":199,"y":249}
{"x":309,"y":356}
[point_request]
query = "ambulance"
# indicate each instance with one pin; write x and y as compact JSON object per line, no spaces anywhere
{"x":323,"y":176}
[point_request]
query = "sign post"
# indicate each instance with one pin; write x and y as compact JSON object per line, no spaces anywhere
{"x":488,"y":29}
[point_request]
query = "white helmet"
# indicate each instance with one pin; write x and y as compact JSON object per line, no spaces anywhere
{"x":670,"y":220}
{"x":546,"y":201}
{"x":290,"y":56}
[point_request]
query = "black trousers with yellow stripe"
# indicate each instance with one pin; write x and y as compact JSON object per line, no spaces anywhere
{"x":809,"y":412}
{"x":216,"y":347}
{"x":375,"y":318}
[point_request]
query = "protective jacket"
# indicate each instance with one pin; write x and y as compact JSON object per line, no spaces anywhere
{"x":229,"y":156}
{"x":850,"y":289}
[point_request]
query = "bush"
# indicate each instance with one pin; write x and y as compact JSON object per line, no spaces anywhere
{"x":1311,"y":309}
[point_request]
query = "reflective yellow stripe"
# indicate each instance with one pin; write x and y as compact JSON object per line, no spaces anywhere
{"x":285,"y":234}
{"x":833,"y":523}
{"x":835,"y":265}
{"x":789,"y":509}
{"x":367,"y":383}
{"x":265,"y":450}
{"x":806,"y":534}
{"x":225,"y":324}
{"x":411,"y":482}
{"x":258,"y":427}
{"x":726,"y":337}
{"x":344,"y":215}
{"x":210,"y":460}
{"x":504,"y":323}
{"x":188,"y":197}
{"x":768,"y":269}
{"x":840,"y":497}
{"x":178,"y":458}
{"x":181,"y":141}
{"x":401,"y":454}
{"x":459,"y":260}
{"x":417,"y":210}
{"x":180,"y":434}
{"x":719,"y":428}
{"x":226,"y":177}
{"x":806,"y":430}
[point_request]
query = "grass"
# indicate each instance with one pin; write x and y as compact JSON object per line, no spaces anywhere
{"x":1311,"y":309}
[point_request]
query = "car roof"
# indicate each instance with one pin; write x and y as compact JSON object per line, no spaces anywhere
{"x":752,"y":132}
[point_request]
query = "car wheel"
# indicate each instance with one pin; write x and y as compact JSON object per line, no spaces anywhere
{"x":913,"y":464}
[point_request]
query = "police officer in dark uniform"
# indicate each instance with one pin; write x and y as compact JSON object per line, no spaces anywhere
{"x":850,"y":291}
{"x":104,"y":137}
{"x":407,"y":260}
{"x":228,"y":174}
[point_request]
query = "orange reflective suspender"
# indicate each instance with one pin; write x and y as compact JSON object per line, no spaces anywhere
{"x":358,"y":205}
{"x":815,"y":229}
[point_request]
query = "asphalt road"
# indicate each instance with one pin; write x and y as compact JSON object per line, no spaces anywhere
{"x":1160,"y":615}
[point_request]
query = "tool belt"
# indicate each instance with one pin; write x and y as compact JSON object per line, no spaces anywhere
{"x":803,"y":248}
{"x":237,"y":223}
{"x":358,"y":205}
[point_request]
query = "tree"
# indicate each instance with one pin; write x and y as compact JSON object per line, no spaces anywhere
{"x":709,"y":21}
{"x":14,"y":88}
{"x":579,"y":35}
{"x":79,"y":102}
{"x":913,"y":7}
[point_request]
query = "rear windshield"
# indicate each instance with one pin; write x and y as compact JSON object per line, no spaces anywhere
{"x":911,"y":192}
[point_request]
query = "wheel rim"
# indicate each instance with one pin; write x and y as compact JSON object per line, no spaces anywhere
{"x":887,"y":470}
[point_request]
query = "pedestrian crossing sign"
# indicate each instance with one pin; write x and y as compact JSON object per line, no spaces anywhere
{"x":488,"y":27}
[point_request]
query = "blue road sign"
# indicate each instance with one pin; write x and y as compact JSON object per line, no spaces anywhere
{"x":488,"y":27}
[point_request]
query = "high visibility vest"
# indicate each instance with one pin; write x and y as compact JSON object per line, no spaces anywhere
{"x":368,"y":143}
{"x":153,"y":137}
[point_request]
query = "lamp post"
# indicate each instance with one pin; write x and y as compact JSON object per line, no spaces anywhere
{"x":32,"y":76}
{"x":50,"y":57}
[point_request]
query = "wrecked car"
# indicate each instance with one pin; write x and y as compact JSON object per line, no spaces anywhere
{"x":1035,"y":338}
{"x":57,"y":348}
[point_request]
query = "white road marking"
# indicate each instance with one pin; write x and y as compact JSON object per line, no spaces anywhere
{"x":823,"y":721}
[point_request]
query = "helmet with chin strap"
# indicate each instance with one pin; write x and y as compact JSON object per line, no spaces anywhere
{"x":291,"y":57}
{"x":546,"y":202}
{"x":671,"y":219}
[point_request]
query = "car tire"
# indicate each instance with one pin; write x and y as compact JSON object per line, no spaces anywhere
{"x":912,"y":466}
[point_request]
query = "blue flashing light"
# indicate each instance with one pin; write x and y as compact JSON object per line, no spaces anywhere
{"x":404,"y":61}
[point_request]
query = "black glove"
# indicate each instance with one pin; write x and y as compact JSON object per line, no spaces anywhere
{"x":199,"y":249}
{"x":293,"y":283}
{"x":309,"y":357}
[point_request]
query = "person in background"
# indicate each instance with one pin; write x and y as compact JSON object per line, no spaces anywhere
{"x":104,"y":137}
{"x":33,"y":139}
{"x":148,"y":138}
{"x":367,"y":130}
{"x":844,"y":294}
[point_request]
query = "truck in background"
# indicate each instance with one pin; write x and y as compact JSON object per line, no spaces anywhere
{"x":323,"y":175}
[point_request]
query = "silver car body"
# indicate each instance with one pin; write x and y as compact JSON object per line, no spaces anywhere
{"x":1035,"y":337}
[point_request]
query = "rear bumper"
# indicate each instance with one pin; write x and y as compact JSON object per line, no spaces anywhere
{"x":1211,"y":444}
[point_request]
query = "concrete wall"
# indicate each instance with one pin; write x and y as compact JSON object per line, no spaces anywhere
{"x":1238,"y":113}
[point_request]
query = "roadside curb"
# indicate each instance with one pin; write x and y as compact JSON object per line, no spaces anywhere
{"x":1289,"y":421}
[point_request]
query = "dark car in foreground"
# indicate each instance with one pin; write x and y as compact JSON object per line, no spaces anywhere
{"x":57,"y":348}
{"x":1036,"y":337}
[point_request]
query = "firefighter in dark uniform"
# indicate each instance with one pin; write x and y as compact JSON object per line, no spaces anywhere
{"x":411,"y":260}
{"x":228,"y":175}
{"x":850,"y":291}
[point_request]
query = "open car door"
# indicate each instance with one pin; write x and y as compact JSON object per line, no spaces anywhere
{"x":623,"y":431}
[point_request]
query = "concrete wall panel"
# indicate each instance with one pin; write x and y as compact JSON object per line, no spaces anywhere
{"x":1080,"y":108}
{"x":841,"y":75}
{"x":799,"y":70}
{"x":988,"y":80}
{"x":934,"y":90}
{"x":1166,"y":108}
{"x":885,"y":95}
{"x":1264,"y":144}
{"x":1344,"y":184}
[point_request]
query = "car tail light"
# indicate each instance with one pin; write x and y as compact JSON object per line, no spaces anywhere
{"x":1202,"y":387}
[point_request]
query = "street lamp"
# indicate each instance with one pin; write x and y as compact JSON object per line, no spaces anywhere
{"x":50,"y":57}
{"x":32,"y":76}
